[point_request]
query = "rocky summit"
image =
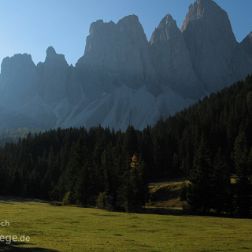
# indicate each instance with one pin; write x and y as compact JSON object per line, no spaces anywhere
{"x":171,"y":57}
{"x":123,"y":78}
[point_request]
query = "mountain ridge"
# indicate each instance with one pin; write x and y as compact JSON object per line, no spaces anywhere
{"x":124,"y":78}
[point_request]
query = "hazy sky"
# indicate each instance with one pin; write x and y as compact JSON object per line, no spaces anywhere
{"x":32,"y":25}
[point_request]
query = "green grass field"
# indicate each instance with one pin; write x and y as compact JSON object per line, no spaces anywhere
{"x":77,"y":229}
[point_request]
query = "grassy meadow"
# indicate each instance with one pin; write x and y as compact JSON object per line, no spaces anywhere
{"x":66,"y":228}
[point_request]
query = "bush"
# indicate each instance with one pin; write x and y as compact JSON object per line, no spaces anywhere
{"x":67,"y":199}
{"x":103,"y":201}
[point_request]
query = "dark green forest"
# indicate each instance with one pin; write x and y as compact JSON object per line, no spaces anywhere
{"x":208,"y":143}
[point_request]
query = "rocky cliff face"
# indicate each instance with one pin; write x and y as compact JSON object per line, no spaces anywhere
{"x":211,"y":43}
{"x":246,"y":45}
{"x":170,"y":57}
{"x":20,"y":102}
{"x":123,"y":78}
{"x":118,"y":51}
{"x":18,"y":80}
{"x":53,"y":76}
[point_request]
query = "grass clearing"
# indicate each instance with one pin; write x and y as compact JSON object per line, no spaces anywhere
{"x":66,"y":228}
{"x":166,"y":194}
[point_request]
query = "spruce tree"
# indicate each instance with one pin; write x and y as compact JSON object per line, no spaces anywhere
{"x":134,"y":186}
{"x":243,"y":197}
{"x":221,"y":187}
{"x":200,"y":191}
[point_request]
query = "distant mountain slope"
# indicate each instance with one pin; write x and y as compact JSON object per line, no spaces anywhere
{"x":123,"y":78}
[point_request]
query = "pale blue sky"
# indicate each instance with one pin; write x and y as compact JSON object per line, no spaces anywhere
{"x":32,"y":25}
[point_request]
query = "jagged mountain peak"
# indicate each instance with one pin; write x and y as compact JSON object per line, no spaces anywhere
{"x":50,"y":51}
{"x":20,"y":57}
{"x":122,"y":77}
{"x":53,"y":58}
{"x":204,"y":9}
{"x":100,"y":26}
{"x":248,"y":38}
{"x":166,"y":30}
{"x":128,"y":23}
{"x":246,"y":45}
{"x":130,"y":19}
{"x":211,"y":42}
{"x":17,"y":62}
{"x":206,"y":3}
{"x":205,"y":17}
{"x":167,"y":20}
{"x":119,"y":50}
{"x":17,"y":80}
{"x":171,"y":57}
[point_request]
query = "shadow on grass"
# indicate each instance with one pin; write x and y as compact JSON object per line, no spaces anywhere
{"x":165,"y":211}
{"x":12,"y":200}
{"x":14,"y":247}
{"x":186,"y":213}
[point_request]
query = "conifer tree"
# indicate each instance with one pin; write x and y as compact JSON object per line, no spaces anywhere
{"x":134,"y":187}
{"x":243,"y":197}
{"x":200,"y":190}
{"x":221,"y":188}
